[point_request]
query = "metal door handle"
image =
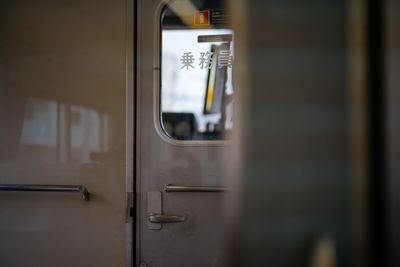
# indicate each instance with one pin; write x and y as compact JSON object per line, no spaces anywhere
{"x":47,"y":188}
{"x":163,"y":218}
{"x":183,"y":188}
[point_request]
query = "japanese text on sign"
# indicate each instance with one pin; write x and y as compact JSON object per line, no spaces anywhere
{"x":223,"y":59}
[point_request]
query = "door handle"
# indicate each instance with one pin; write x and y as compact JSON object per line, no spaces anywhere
{"x":47,"y":188}
{"x":164,"y":218}
{"x":183,"y":188}
{"x":156,"y":215}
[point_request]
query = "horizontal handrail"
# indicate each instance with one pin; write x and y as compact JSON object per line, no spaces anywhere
{"x":47,"y":188}
{"x":183,"y":188}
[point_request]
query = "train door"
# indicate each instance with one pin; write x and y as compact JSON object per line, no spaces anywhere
{"x":185,"y":105}
{"x":62,"y":133}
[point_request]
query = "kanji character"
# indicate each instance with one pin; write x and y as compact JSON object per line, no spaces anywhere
{"x":225,"y":59}
{"x":187,"y":60}
{"x":205,"y":60}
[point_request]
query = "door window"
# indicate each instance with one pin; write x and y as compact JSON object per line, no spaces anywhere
{"x":197,"y":56}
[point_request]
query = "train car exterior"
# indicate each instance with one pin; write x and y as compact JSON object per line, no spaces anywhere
{"x":159,"y":133}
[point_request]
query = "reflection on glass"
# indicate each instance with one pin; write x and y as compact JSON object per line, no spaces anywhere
{"x":86,"y":133}
{"x":59,"y":132}
{"x":39,"y":131}
{"x":196,"y":76}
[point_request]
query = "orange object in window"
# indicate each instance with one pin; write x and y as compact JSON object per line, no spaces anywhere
{"x":202,"y":17}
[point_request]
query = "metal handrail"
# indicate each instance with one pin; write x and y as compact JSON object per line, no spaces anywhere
{"x":182,"y":188}
{"x":47,"y":188}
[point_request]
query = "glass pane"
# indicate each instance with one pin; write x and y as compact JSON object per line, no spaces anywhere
{"x":196,"y":72}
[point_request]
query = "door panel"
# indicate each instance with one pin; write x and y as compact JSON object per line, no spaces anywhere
{"x":62,"y":122}
{"x":199,"y":240}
